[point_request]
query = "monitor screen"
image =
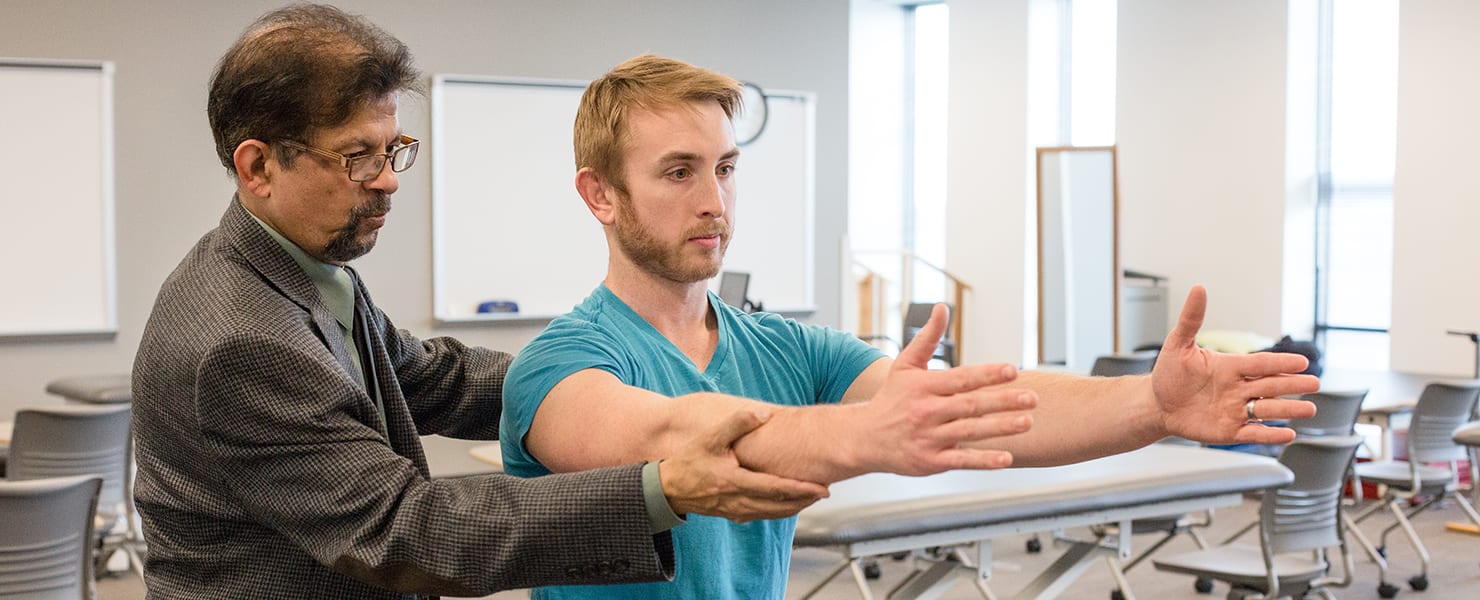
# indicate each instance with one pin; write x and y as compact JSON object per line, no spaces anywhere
{"x":732,"y":288}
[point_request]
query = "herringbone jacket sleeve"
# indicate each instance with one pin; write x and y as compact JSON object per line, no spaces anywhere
{"x":282,"y":430}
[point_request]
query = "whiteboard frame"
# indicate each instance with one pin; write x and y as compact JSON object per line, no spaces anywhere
{"x":439,"y":189}
{"x":109,"y":328}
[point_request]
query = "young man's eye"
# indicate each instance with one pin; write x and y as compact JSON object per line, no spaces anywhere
{"x":679,"y":173}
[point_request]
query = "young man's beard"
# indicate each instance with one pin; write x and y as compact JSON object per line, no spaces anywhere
{"x":653,"y":256}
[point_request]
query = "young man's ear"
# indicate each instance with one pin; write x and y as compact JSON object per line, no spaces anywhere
{"x":597,"y":193}
{"x":250,"y":159}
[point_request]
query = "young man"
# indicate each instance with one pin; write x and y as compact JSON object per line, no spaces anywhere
{"x":657,"y":356}
{"x":277,"y":410}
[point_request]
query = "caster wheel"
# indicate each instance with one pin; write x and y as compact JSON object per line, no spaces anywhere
{"x":872,"y":571}
{"x":1419,"y":583}
{"x":1382,"y":551}
{"x":1116,"y":595}
{"x":898,"y":556}
{"x":1034,"y":546}
{"x":1387,"y":590}
{"x":1203,"y":585}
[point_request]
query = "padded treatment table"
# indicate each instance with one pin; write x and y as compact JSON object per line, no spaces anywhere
{"x":880,"y":514}
{"x":1468,"y":435}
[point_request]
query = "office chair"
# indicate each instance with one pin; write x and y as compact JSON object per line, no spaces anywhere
{"x":83,"y":439}
{"x":1441,"y":408}
{"x":1298,"y":524}
{"x":45,"y":528}
{"x":1336,"y":413}
{"x":1115,"y":365}
{"x":915,"y":318}
{"x":1336,"y":416}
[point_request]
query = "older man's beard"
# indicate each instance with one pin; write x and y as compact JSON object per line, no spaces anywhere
{"x":653,"y":256}
{"x":346,"y":245}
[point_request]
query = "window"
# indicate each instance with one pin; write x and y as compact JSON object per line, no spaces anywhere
{"x":1357,"y":112}
{"x":924,"y":219}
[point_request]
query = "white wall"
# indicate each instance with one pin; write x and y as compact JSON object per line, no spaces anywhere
{"x":1201,"y":137}
{"x":988,"y":192}
{"x":170,"y":189}
{"x":1436,"y":206}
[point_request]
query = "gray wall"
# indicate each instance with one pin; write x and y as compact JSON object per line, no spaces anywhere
{"x":170,"y":189}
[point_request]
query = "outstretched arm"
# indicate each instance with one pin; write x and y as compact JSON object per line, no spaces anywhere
{"x":913,"y":425}
{"x":1192,"y":392}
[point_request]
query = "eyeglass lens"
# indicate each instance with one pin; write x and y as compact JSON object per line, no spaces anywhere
{"x":365,"y":168}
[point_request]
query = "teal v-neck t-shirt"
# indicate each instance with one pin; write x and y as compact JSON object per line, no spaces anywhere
{"x":760,"y":356}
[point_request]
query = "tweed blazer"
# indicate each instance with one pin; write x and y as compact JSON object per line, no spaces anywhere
{"x":262,"y":472}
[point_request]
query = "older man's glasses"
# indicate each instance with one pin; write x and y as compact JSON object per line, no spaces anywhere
{"x":366,"y":167}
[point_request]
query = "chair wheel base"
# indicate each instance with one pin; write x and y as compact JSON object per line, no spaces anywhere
{"x":1387,"y":590}
{"x":1034,"y":546}
{"x":1203,"y":585}
{"x":1419,"y":583}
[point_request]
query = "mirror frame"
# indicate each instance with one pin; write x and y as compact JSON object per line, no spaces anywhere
{"x":1114,"y":236}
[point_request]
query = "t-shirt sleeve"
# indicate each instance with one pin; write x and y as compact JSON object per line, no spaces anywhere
{"x":560,"y":351}
{"x":834,"y":357}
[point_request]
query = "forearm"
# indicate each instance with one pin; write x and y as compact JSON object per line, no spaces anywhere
{"x":1080,"y":418}
{"x":811,"y":443}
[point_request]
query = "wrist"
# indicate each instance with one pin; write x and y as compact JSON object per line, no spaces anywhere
{"x":857,"y":443}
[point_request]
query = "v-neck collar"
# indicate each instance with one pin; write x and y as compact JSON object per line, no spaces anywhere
{"x":722,"y":344}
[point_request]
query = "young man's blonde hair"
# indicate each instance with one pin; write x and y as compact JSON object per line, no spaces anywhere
{"x":649,"y":82}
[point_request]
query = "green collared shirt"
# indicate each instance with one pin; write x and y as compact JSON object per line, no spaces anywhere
{"x":337,"y":289}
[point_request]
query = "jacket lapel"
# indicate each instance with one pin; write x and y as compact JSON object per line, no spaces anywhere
{"x":280,"y":271}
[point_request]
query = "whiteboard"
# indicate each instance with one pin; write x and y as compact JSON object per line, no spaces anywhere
{"x":507,"y":223}
{"x":57,"y":168}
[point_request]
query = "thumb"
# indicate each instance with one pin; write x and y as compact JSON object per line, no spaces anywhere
{"x":918,"y":352}
{"x":733,"y":428}
{"x":1184,"y":335}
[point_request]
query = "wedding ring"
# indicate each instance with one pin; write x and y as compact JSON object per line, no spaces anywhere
{"x":1249,"y":410}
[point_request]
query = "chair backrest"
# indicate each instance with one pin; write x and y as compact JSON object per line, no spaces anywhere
{"x":1115,"y":365}
{"x":1305,"y":515}
{"x":73,"y":439}
{"x":46,"y":530}
{"x":1442,"y":407}
{"x":1336,"y":413}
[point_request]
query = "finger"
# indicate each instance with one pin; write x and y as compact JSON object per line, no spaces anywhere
{"x":974,"y":458}
{"x":1184,"y":335}
{"x":769,"y":509}
{"x":772,"y":487}
{"x":985,"y":427}
{"x":736,"y":425}
{"x":968,"y":378}
{"x":1280,"y":385}
{"x":917,"y":353}
{"x":1260,"y":364}
{"x":1260,"y":434}
{"x":982,"y":402}
{"x":1274,"y":409}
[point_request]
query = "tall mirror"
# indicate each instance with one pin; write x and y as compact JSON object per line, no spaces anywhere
{"x":1078,"y":255}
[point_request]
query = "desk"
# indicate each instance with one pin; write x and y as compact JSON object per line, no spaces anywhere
{"x":1468,"y":435}
{"x":881,"y":514}
{"x":492,"y":454}
{"x":449,"y":457}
